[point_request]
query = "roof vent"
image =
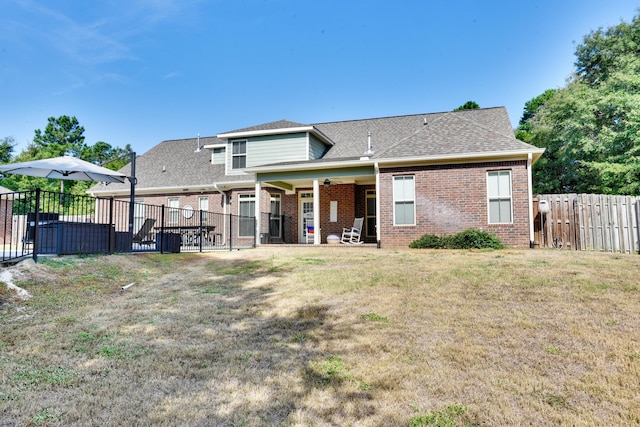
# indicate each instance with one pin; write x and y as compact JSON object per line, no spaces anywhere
{"x":369,"y":151}
{"x":199,"y":148}
{"x":425,"y":121}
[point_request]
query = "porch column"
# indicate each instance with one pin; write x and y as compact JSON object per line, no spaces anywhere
{"x":257,"y":213}
{"x":316,"y":212}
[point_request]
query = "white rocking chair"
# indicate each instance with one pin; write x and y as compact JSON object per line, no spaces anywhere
{"x":351,"y":236}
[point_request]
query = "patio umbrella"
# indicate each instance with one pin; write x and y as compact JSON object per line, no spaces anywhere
{"x":66,"y":168}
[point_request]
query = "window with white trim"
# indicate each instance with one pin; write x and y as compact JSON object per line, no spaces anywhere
{"x":404,"y":200}
{"x":239,"y":154}
{"x":274,"y":218}
{"x":173,"y":204}
{"x":138,"y":215}
{"x":499,"y":197}
{"x":203,"y":206}
{"x":247,"y":212}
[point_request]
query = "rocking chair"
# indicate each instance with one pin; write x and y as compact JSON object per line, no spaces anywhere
{"x":351,"y":236}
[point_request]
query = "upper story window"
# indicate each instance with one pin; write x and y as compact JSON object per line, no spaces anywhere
{"x":239,"y":154}
{"x":499,"y":196}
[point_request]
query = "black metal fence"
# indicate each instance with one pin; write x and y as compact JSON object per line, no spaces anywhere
{"x":40,"y":222}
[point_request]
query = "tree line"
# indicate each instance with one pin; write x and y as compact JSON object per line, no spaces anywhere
{"x":590,"y":128}
{"x":62,"y":136}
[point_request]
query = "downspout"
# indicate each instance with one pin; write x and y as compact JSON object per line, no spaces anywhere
{"x":316,"y":212}
{"x":224,"y":212}
{"x":257,"y":215}
{"x":530,"y":185}
{"x":377,"y":171}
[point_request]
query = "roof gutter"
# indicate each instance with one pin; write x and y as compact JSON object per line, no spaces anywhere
{"x":174,"y":190}
{"x":397,"y":161}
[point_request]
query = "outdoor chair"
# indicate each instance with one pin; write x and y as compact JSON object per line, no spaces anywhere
{"x":143,"y":236}
{"x":351,"y":235}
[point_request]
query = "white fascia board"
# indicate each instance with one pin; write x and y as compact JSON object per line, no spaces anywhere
{"x":250,"y":133}
{"x":246,"y":134}
{"x":310,"y":166}
{"x":197,"y":188}
{"x":212,"y":146}
{"x":463,"y":158}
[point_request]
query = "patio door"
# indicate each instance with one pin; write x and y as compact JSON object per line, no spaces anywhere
{"x":305,"y":206}
{"x":275,"y":227}
{"x":370,"y":218}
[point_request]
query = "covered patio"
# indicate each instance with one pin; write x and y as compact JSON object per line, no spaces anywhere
{"x":325,"y":196}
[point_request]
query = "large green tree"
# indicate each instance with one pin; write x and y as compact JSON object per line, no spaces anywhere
{"x":591,"y":127}
{"x":63,"y":136}
{"x":6,"y":149}
{"x":469,"y":105}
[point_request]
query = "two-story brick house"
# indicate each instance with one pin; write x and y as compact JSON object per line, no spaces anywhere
{"x":408,"y":175}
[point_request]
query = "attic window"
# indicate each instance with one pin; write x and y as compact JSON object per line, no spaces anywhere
{"x":239,"y":154}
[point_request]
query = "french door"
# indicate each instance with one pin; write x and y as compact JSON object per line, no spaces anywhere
{"x":305,"y":206}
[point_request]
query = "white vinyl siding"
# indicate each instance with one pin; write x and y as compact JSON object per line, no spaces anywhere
{"x":246,"y":210}
{"x":316,"y":148}
{"x":499,"y":197}
{"x":218,"y":156}
{"x":277,"y":148}
{"x":404,"y":196}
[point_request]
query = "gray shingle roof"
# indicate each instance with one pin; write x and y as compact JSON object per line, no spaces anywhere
{"x":183,"y":167}
{"x":478,"y":131}
{"x":280,"y":124}
{"x":457,"y":132}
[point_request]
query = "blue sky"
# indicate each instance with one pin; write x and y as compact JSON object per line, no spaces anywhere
{"x":142,"y":71}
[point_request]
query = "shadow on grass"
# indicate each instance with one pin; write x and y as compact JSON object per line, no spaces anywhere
{"x":214,"y":343}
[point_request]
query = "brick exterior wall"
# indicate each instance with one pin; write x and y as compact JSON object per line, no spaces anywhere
{"x":449,"y":199}
{"x":452,"y":198}
{"x":215,"y":200}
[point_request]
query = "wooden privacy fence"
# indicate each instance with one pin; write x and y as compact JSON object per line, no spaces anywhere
{"x":587,"y":222}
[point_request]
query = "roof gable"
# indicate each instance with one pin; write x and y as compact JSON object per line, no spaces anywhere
{"x":280,"y":124}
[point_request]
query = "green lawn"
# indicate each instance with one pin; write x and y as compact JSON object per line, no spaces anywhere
{"x":324,"y":336}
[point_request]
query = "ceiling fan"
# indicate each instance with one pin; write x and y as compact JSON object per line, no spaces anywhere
{"x":327,"y":182}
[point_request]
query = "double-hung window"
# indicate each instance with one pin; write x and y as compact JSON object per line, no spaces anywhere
{"x":404,"y":200}
{"x":499,"y":197}
{"x":239,"y":154}
{"x":247,"y":212}
{"x":174,"y":204}
{"x":203,"y":206}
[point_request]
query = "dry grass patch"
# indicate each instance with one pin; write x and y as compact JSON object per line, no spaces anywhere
{"x":328,"y":336}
